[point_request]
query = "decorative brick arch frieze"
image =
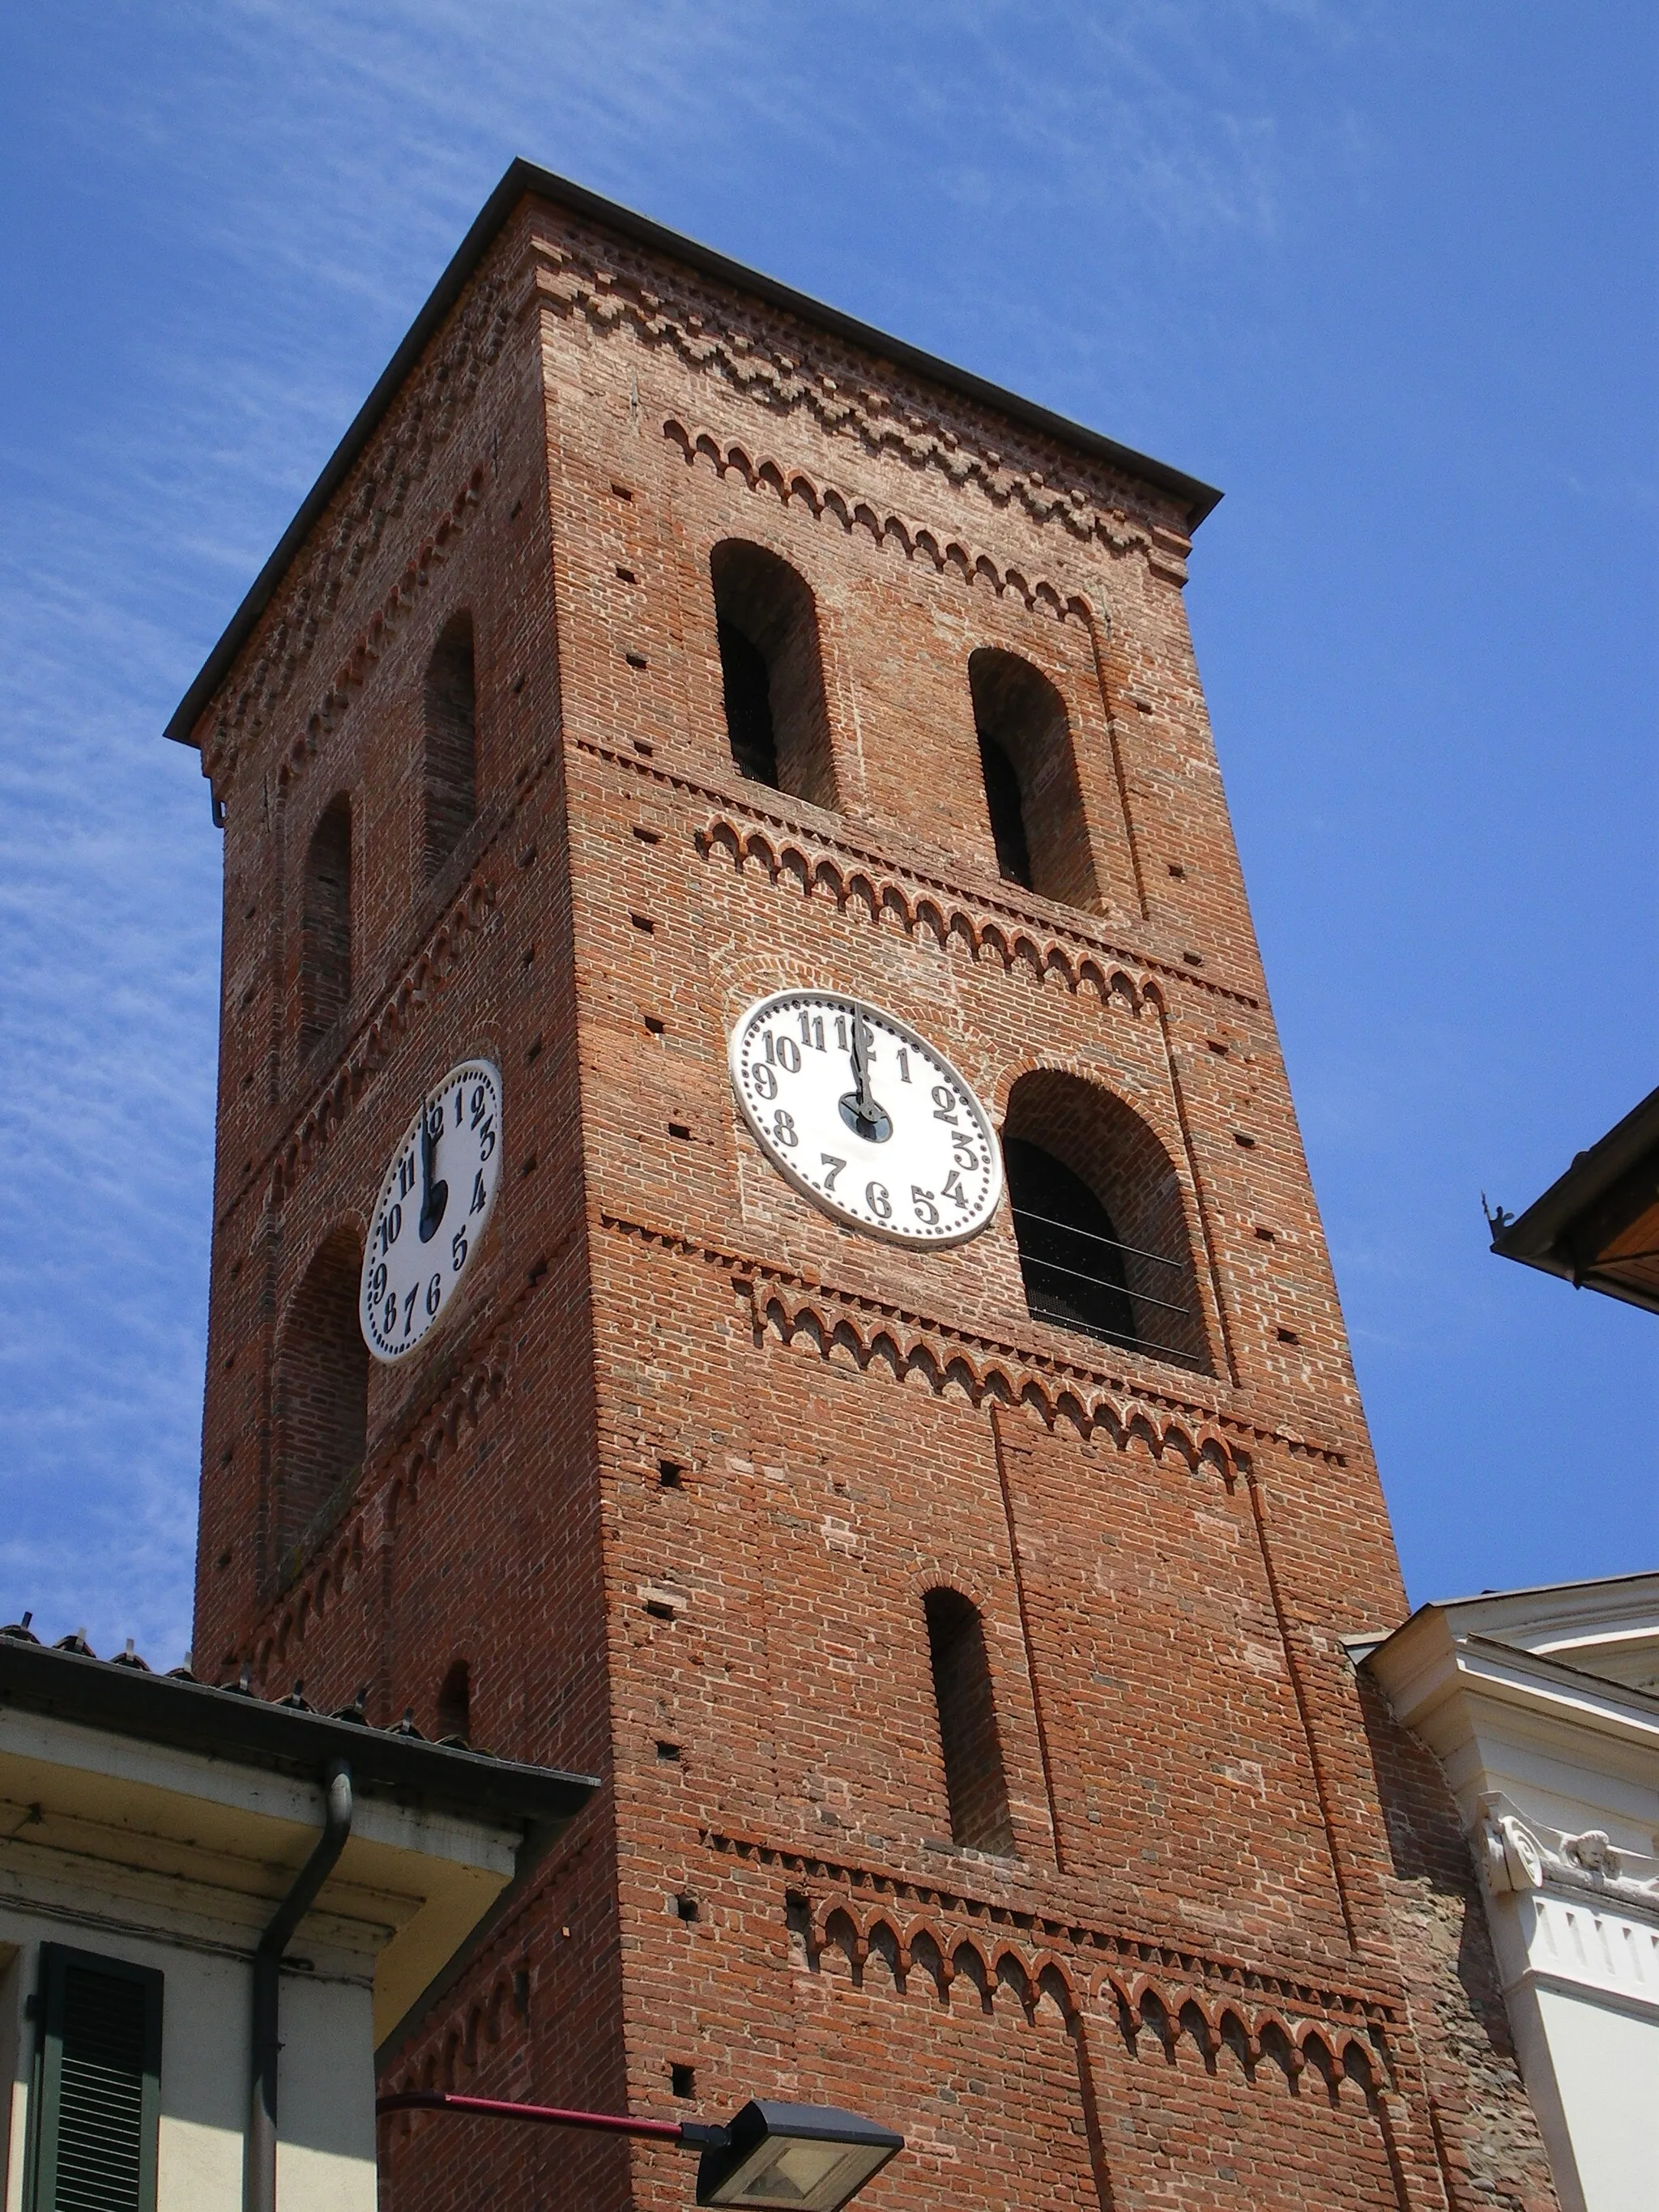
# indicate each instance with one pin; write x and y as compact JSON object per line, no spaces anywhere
{"x":763,"y":361}
{"x":917,"y":541}
{"x":786,"y":1309}
{"x":1039,"y":954}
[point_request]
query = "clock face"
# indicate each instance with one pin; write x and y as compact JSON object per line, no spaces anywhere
{"x":432,"y":1210}
{"x":869,"y":1121}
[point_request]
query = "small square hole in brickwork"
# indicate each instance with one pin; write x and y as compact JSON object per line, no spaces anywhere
{"x":682,"y":2082}
{"x":647,"y":837}
{"x":527,"y":858}
{"x":643,"y":921}
{"x":621,"y":491}
{"x":627,"y":575}
{"x":668,"y":1753}
{"x":643,"y":745}
{"x":636,"y":660}
{"x":684,"y":1907}
{"x":528,"y":955}
{"x":659,"y":1610}
{"x":671,"y":1475}
{"x":1178,"y":872}
{"x":1288,"y":1336}
{"x":1239,"y":1138}
{"x":654,"y":1027}
{"x":528,"y":1167}
{"x":518,"y":683}
{"x":1216,"y":1046}
{"x":1266,"y":1235}
{"x":532,"y":1051}
{"x":517,"y":509}
{"x":223,"y":1560}
{"x":536,"y":1272}
{"x":680,"y":1129}
{"x":1193,"y":959}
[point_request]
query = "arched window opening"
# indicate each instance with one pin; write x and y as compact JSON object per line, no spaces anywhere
{"x":1099,"y":1220}
{"x":449,"y":788}
{"x":322,"y":1392}
{"x":455,"y":1704}
{"x":326,"y":925}
{"x":1031,"y":790}
{"x":973,"y":1780}
{"x":777,"y":721}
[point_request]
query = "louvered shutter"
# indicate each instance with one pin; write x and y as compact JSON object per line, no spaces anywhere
{"x":98,"y":2083}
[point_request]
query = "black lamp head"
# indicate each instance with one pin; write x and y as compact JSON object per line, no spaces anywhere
{"x":796,"y":2157}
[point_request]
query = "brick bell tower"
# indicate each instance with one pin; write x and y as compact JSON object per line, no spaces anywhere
{"x":903,"y":1437}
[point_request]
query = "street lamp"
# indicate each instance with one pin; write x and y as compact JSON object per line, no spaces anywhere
{"x":770,"y":2158}
{"x":805,"y":2158}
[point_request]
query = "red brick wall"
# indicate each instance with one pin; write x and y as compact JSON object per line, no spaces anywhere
{"x":1197,"y":1979}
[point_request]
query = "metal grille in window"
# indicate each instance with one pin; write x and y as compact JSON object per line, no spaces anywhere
{"x":1080,"y":1274}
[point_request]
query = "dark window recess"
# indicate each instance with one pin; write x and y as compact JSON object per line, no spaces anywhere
{"x":1070,"y":1254}
{"x":668,"y":1753}
{"x":772,"y":673}
{"x":747,"y":685}
{"x":450,"y":779}
{"x":1032,"y":794}
{"x":686,"y":1907}
{"x":659,"y":1610}
{"x":636,"y":660}
{"x":680,"y":1129}
{"x":1288,"y":1336}
{"x":455,"y":1704}
{"x":99,"y":2084}
{"x":326,"y":926}
{"x":682,"y":2082}
{"x":322,"y":1389}
{"x":974,"y":1778}
{"x":1007,"y":816}
{"x":671,"y":1474}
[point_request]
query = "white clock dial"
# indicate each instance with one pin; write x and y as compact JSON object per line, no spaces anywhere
{"x":865,"y":1117}
{"x":432,"y":1210}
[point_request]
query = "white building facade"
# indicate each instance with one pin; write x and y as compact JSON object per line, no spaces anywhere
{"x":150,"y":1831}
{"x":1542,"y":1708}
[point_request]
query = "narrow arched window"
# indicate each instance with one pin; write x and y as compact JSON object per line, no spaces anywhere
{"x":322,"y":1394}
{"x":455,"y":1702}
{"x":326,"y":925}
{"x":777,"y":722}
{"x":1099,"y":1220}
{"x":1032,"y":794}
{"x":973,"y":1780}
{"x":449,"y":779}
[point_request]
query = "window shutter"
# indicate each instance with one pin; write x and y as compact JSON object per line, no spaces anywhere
{"x":98,"y":2083}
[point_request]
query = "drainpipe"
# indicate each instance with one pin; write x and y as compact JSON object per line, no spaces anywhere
{"x":259,"y":2167}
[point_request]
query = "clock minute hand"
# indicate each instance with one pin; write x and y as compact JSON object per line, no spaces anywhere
{"x":866,"y":1101}
{"x":435,"y":1196}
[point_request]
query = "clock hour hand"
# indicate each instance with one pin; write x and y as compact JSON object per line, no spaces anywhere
{"x":434,"y":1195}
{"x":858,"y":1106}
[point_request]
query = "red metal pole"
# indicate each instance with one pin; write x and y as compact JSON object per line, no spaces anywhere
{"x":498,"y":2108}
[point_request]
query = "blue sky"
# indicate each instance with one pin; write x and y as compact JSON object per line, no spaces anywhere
{"x":1384,"y":272}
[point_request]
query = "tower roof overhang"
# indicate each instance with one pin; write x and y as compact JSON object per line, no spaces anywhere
{"x":1597,"y":1225}
{"x":527,"y":180}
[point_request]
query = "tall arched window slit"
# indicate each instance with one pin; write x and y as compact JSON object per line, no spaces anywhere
{"x":449,"y":781}
{"x":1028,"y":768}
{"x":777,"y":720}
{"x":974,"y":1778}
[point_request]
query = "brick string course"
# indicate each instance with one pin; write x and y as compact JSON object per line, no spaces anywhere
{"x":674,"y":1476}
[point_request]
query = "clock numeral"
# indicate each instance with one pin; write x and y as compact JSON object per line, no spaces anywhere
{"x":788,"y":1055}
{"x":390,"y":1321}
{"x":377,"y":1284}
{"x":876,"y":1198}
{"x":478,"y":1200}
{"x":953,"y":1188}
{"x":811,"y":1031}
{"x":841,"y":1032}
{"x":480,"y":1102}
{"x":945,"y":1103}
{"x":486,"y":1140}
{"x":835,"y":1167}
{"x":458,"y":1250}
{"x":434,"y":1293}
{"x":390,"y":1228}
{"x":903,"y":1065}
{"x":783,"y":1128}
{"x":409,"y":1306}
{"x":963,"y":1149}
{"x":927,"y":1212}
{"x":765,"y":1081}
{"x":405,"y":1175}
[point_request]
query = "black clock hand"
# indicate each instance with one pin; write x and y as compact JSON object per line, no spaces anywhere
{"x":434,"y":1195}
{"x":867,"y":1102}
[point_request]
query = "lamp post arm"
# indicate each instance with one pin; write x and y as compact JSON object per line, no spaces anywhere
{"x":692,"y":2135}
